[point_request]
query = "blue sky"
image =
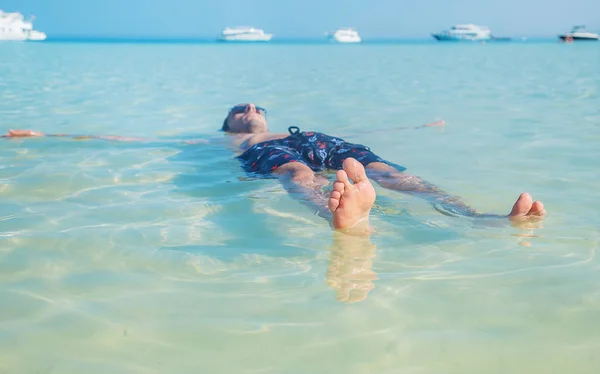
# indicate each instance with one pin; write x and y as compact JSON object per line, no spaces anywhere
{"x":303,"y":18}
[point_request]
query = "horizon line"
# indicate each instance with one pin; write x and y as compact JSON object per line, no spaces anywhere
{"x":283,"y":38}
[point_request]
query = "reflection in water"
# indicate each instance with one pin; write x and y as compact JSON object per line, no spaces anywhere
{"x":350,"y":271}
{"x":527,"y":227}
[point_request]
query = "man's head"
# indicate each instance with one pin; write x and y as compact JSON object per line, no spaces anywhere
{"x":245,"y":119}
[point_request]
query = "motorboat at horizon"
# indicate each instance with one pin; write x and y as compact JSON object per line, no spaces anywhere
{"x":579,"y":33}
{"x":244,"y":34}
{"x":464,"y":32}
{"x":14,"y":27}
{"x":344,"y":35}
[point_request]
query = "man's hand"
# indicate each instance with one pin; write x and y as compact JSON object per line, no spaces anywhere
{"x":22,"y":134}
{"x":196,"y":141}
{"x":436,"y":123}
{"x":34,"y":134}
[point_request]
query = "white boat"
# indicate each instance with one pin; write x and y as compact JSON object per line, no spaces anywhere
{"x":13,"y":26}
{"x":579,"y":33}
{"x":344,"y":35}
{"x":465,"y":32}
{"x":244,"y":34}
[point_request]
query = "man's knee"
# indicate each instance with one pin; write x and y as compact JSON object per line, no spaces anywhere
{"x":377,"y":170}
{"x":296,"y":172}
{"x":390,"y":177}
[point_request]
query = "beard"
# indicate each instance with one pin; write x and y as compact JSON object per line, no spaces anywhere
{"x":256,"y":124}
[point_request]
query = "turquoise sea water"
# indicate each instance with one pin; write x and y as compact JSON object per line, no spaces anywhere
{"x":161,"y":258}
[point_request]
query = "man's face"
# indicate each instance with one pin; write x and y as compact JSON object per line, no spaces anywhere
{"x":247,"y":118}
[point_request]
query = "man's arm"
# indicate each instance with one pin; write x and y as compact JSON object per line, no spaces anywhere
{"x":441,"y":123}
{"x":35,"y":134}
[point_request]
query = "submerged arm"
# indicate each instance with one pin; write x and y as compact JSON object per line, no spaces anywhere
{"x":11,"y":134}
{"x":441,"y":123}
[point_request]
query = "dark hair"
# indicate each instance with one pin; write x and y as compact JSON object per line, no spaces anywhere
{"x":225,"y":124}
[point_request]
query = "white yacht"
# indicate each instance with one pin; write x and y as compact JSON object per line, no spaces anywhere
{"x":579,"y":33}
{"x":244,"y":34}
{"x":465,"y":32}
{"x":13,"y":26}
{"x":344,"y":35}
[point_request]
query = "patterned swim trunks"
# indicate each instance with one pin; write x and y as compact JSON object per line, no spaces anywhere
{"x":316,"y":150}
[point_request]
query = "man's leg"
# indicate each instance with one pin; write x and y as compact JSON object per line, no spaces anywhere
{"x":388,"y":177}
{"x":348,"y":204}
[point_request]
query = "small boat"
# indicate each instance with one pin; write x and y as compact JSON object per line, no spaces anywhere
{"x":244,"y":34}
{"x":13,"y":26}
{"x":344,"y":35}
{"x":578,"y":33}
{"x":466,"y":32}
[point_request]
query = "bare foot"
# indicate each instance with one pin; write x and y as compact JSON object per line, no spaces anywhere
{"x":351,"y":203}
{"x":526,"y":208}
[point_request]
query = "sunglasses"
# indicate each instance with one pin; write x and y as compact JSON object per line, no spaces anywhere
{"x":242,"y":108}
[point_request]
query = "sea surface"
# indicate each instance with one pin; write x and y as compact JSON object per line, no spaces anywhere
{"x":165,"y":257}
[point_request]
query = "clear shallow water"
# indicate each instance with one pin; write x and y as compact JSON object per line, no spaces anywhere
{"x":157,"y":258}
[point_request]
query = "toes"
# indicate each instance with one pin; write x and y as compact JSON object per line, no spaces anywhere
{"x":335,"y":195}
{"x":342,"y":177}
{"x":338,"y":186}
{"x":354,"y":169}
{"x":334,"y":200}
{"x":522,"y":206}
{"x":537,"y":209}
